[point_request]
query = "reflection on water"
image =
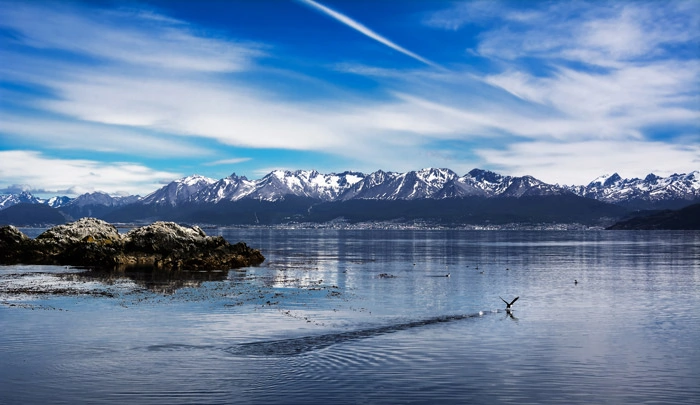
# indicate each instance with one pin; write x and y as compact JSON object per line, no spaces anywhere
{"x":153,"y":279}
{"x":318,"y":324}
{"x":58,"y":280}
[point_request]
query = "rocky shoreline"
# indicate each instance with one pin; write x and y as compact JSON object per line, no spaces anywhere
{"x":91,"y":242}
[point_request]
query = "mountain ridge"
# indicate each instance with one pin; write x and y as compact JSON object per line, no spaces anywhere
{"x":293,"y":192}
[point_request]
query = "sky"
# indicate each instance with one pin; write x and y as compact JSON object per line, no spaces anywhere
{"x":126,"y":96}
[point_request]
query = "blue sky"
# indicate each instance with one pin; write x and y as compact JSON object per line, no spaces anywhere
{"x":123,"y":97}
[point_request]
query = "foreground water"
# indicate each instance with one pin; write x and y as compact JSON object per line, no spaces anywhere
{"x":369,"y":317}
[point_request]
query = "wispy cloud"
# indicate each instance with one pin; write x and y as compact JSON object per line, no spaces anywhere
{"x":147,"y":84}
{"x":368,"y":32}
{"x":58,"y":133}
{"x":597,"y":84}
{"x":598,"y":33}
{"x":77,"y":176}
{"x":586,"y":160}
{"x":231,"y":161}
{"x":127,"y":36}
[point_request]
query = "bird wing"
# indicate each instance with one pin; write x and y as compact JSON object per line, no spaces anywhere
{"x":511,"y":303}
{"x":503,"y":299}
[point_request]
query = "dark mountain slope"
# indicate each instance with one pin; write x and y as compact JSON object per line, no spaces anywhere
{"x":472,"y":210}
{"x":28,"y":214}
{"x":687,"y":218}
{"x":242,"y":212}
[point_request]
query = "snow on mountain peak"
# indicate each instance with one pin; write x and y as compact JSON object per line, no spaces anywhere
{"x":436,"y":176}
{"x":179,"y":191}
{"x":605,"y":180}
{"x":195,"y":180}
{"x":427,"y":183}
{"x":485,"y":176}
{"x":8,"y":200}
{"x":653,"y":188}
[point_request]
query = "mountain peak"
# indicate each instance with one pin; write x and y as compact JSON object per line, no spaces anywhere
{"x":605,"y":180}
{"x":485,"y":175}
{"x":195,"y":179}
{"x":234,"y":176}
{"x":651,"y":192}
{"x":612,"y":180}
{"x":651,"y":178}
{"x":179,"y":191}
{"x":428,"y":183}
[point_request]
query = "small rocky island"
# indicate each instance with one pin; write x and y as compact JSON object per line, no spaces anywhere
{"x":91,"y":242}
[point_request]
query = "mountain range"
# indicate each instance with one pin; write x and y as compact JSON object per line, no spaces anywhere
{"x":437,"y":195}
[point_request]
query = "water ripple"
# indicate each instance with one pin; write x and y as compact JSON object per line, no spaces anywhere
{"x":300,"y":345}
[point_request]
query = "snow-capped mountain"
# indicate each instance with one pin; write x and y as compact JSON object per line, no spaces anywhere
{"x":94,"y":204}
{"x":96,"y":198}
{"x":444,"y":183}
{"x":99,"y":198}
{"x":229,"y":188}
{"x":380,"y":185}
{"x":277,"y":185}
{"x":58,"y":201}
{"x":436,"y":184}
{"x":303,"y":183}
{"x":652,"y":189}
{"x":490,"y":184}
{"x":8,"y":200}
{"x":179,"y":191}
{"x":427,"y":183}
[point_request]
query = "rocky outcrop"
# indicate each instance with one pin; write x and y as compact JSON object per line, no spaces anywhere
{"x":14,"y":246}
{"x":92,"y":242}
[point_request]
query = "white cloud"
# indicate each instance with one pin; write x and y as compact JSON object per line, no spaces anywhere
{"x":366,"y":31}
{"x":464,"y":13}
{"x":77,"y":176}
{"x":581,"y":162}
{"x":78,"y":135}
{"x":231,"y":161}
{"x":598,"y":33}
{"x":153,"y":85}
{"x":230,"y":113}
{"x":131,"y":37}
{"x":620,"y":104}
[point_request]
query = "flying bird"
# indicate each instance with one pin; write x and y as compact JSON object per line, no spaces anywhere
{"x":507,"y":304}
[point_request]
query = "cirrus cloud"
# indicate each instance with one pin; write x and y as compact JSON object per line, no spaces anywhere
{"x":566,"y":77}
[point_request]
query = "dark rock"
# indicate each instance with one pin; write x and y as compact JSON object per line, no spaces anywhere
{"x":92,"y":242}
{"x":15,"y":247}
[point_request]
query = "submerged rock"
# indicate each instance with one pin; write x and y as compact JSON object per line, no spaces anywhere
{"x":92,"y":242}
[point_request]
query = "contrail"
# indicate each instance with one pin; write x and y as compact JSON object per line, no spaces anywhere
{"x":368,"y":32}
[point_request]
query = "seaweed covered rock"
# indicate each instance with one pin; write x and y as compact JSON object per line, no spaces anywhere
{"x":86,"y":242}
{"x":95,"y":243}
{"x":164,"y":237}
{"x":169,"y":245}
{"x":89,"y":230}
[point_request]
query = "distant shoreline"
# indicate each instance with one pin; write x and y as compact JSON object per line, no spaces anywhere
{"x":377,"y":226}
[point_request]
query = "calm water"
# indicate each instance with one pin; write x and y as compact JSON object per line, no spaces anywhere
{"x":318,"y":324}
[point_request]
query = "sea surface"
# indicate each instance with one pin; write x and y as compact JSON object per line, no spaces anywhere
{"x":368,"y":317}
